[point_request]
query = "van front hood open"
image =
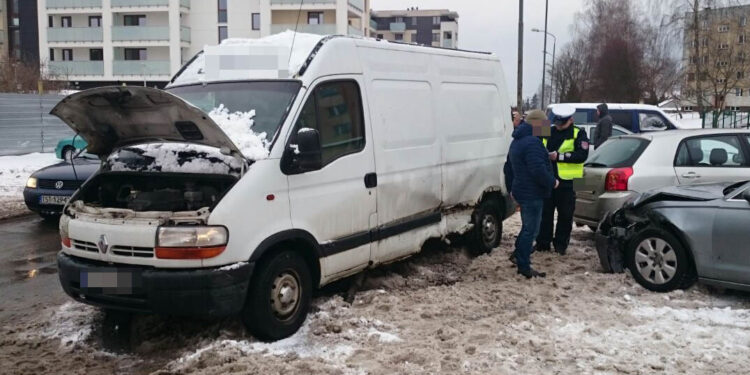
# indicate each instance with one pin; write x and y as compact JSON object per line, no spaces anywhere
{"x":108,"y":118}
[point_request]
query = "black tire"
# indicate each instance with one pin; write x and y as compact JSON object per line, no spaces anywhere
{"x":67,"y":153}
{"x":652,"y":269}
{"x":268,"y":318}
{"x":488,"y":228}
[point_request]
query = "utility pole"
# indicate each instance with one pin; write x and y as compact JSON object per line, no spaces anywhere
{"x":519,"y":85}
{"x":544,"y":55}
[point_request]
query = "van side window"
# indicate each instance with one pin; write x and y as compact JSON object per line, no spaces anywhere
{"x":335,"y":110}
{"x":622,"y":118}
{"x":652,"y":121}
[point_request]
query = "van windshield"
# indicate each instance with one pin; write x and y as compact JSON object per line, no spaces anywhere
{"x":270,"y":100}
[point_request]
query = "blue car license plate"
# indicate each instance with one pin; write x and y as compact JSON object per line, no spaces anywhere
{"x":56,"y":200}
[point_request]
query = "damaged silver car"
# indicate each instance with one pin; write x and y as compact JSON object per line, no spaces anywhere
{"x":670,"y":238}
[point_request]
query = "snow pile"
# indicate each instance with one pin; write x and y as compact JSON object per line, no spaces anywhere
{"x":14,"y":171}
{"x":238,"y":127}
{"x":303,"y":46}
{"x":71,"y":323}
{"x":175,"y":157}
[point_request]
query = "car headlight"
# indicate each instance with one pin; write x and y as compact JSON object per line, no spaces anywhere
{"x":191,"y":242}
{"x":31,"y":183}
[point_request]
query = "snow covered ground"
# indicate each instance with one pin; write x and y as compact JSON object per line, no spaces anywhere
{"x":440,"y":312}
{"x":14,"y":171}
{"x":689,"y":120}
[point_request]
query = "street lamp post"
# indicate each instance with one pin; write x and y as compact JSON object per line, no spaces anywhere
{"x":544,"y":53}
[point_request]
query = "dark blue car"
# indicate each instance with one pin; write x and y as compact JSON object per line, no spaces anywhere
{"x":49,"y":188}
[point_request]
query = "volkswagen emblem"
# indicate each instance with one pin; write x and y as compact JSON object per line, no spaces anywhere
{"x":59,"y":185}
{"x":103,"y":244}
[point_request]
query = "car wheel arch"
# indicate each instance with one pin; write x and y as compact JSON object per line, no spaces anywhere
{"x":298,"y":240}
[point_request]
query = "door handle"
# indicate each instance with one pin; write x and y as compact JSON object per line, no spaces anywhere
{"x":371,"y":180}
{"x":691,"y":175}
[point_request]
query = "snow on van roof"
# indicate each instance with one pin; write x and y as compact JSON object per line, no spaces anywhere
{"x":303,"y":43}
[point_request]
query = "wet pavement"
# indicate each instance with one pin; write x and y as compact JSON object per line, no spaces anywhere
{"x":28,"y":268}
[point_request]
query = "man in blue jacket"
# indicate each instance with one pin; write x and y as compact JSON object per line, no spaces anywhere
{"x":531,"y":180}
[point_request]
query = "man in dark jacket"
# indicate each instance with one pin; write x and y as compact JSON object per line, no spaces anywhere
{"x":530,"y":177}
{"x":604,"y":126}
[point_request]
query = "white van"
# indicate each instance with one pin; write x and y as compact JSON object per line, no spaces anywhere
{"x":358,"y":153}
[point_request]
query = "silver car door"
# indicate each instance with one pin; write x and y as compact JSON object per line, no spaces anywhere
{"x":711,"y":158}
{"x":731,"y":238}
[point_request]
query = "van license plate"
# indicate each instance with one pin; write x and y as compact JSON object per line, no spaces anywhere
{"x":57,"y":200}
{"x":109,"y":282}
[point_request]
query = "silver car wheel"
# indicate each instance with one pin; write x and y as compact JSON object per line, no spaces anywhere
{"x":285,"y":294}
{"x":489,"y":230}
{"x":656,"y":260}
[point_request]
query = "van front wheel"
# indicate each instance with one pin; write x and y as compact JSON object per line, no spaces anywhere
{"x":279,"y":297}
{"x":488,"y":228}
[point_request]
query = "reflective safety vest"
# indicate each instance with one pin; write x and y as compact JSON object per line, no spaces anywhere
{"x":568,"y":171}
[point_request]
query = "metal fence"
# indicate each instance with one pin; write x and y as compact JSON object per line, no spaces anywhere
{"x":26,"y":125}
{"x":725,"y":119}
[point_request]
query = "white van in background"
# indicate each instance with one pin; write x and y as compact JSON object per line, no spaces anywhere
{"x":359,"y":152}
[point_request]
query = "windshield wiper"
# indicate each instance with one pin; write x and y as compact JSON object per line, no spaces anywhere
{"x":596,"y":165}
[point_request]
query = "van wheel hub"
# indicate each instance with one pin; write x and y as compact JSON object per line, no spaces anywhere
{"x":489,"y":229}
{"x":285,"y":294}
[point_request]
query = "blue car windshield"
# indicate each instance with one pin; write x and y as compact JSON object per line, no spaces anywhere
{"x":271,"y":100}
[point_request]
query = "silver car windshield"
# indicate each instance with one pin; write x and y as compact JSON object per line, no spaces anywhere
{"x":271,"y":100}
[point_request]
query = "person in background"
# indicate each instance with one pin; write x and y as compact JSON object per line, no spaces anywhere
{"x":531,"y":181}
{"x":568,"y":148}
{"x":604,"y":126}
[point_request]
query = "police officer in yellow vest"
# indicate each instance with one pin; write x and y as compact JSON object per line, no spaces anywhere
{"x":568,"y":148}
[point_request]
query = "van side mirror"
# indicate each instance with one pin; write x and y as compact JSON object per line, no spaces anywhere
{"x":306,"y":155}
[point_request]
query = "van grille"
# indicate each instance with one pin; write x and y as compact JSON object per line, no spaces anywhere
{"x":67,"y":184}
{"x":133,"y":251}
{"x":85,"y":246}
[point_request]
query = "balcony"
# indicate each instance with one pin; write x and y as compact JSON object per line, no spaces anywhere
{"x":448,"y":43}
{"x":72,"y":4}
{"x":373,"y":24}
{"x":357,"y":4}
{"x":355,"y":31}
{"x":74,"y":34}
{"x":184,"y":34}
{"x":297,"y":2}
{"x":76,"y":68}
{"x":398,"y":27}
{"x":140,"y":33}
{"x":139,"y":3}
{"x":140,"y":68}
{"x":324,"y":29}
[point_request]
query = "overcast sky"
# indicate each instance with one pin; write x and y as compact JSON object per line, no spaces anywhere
{"x":492,"y":25}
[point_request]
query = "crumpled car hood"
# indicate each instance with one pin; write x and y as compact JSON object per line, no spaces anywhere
{"x":683,"y":193}
{"x":112,"y":117}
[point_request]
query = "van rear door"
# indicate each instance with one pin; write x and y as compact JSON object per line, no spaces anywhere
{"x":336,"y":202}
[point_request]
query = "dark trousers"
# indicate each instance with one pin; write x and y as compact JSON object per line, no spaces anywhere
{"x":531,"y":216}
{"x":564,"y":201}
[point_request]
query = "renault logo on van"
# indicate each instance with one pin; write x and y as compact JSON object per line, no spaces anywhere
{"x":103,"y":244}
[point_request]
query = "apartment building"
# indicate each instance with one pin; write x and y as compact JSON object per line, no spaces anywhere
{"x":437,"y":27}
{"x":20,"y":38}
{"x":97,"y":42}
{"x":722,"y":61}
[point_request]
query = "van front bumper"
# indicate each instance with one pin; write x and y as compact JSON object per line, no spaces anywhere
{"x":211,"y":292}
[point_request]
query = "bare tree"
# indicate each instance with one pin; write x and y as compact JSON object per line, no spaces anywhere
{"x":24,"y":77}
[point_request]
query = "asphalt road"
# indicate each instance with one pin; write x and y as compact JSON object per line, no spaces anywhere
{"x":28,"y":267}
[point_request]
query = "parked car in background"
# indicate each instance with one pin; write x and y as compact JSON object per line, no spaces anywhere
{"x":671,"y":237}
{"x":67,"y":147}
{"x":590,"y":129}
{"x":48,"y":189}
{"x":628,"y":165}
{"x":635,"y":117}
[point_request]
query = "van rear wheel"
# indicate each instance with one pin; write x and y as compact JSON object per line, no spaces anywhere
{"x":279,"y":296}
{"x":488,"y":228}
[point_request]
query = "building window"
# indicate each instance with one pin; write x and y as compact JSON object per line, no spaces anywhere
{"x":399,"y":19}
{"x":222,"y":11}
{"x":448,"y":35}
{"x":51,"y":54}
{"x":67,"y":54}
{"x":722,"y":64}
{"x":738,"y":92}
{"x":314,"y":18}
{"x":399,"y":36}
{"x":705,"y":59}
{"x":256,"y":21}
{"x":134,"y":20}
{"x":723,"y":28}
{"x":135,"y":54}
{"x":743,"y":21}
{"x":223,"y":33}
{"x":50,"y":21}
{"x":740,"y":75}
{"x":96,"y":54}
{"x":436,"y":20}
{"x":723,"y":46}
{"x":704,"y":42}
{"x":414,"y":21}
{"x":66,"y":21}
{"x":721,"y":80}
{"x":741,"y":39}
{"x":435,"y":37}
{"x":95,"y":21}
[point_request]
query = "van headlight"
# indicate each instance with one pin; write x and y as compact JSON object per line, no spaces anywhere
{"x":199,"y":242}
{"x":31,"y":183}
